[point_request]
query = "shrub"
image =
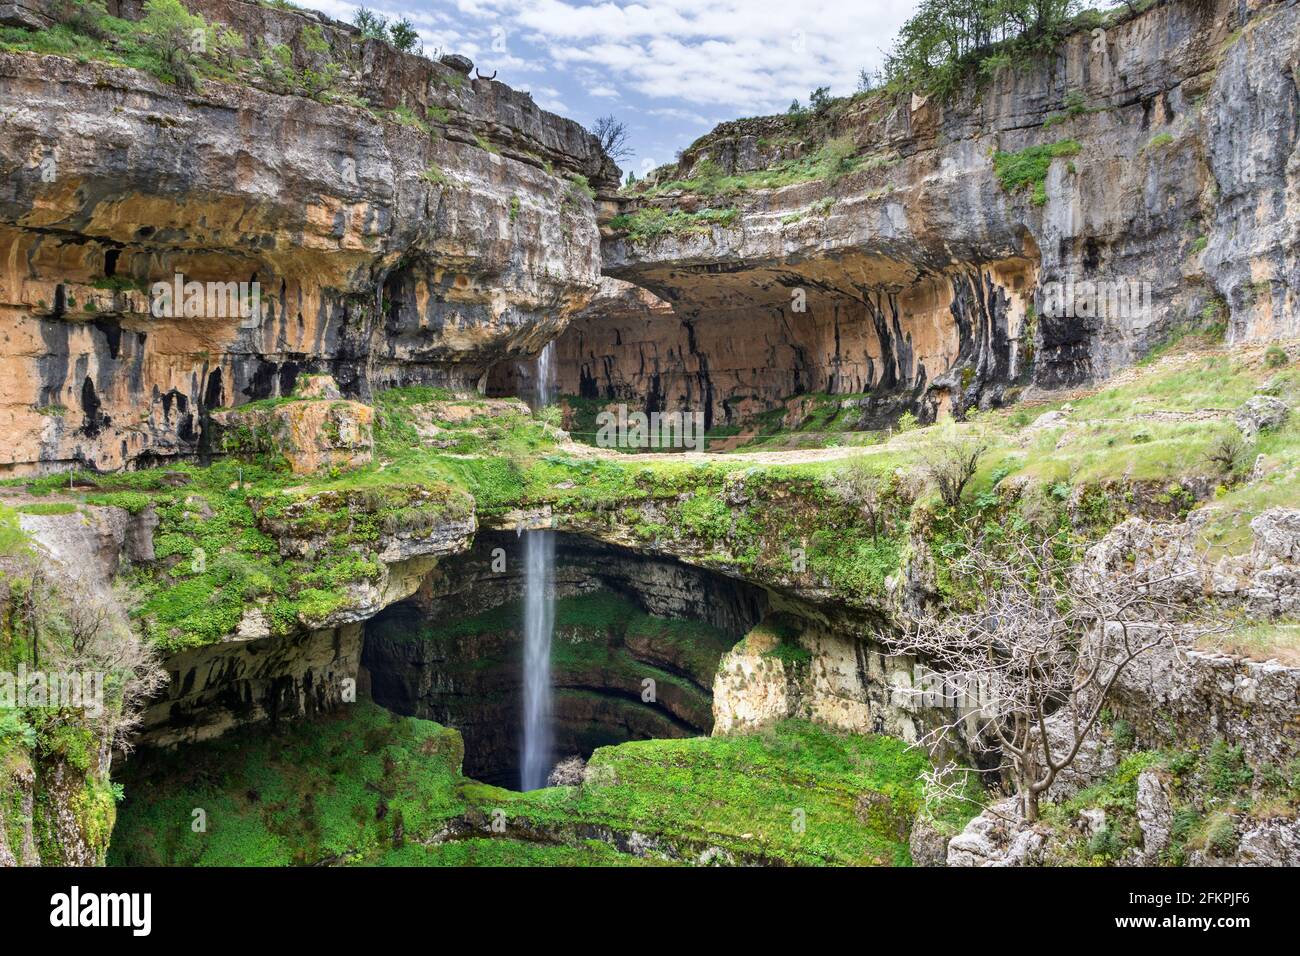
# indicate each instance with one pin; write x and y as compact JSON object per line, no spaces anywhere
{"x":1275,"y":356}
{"x":1228,"y":771}
{"x":950,"y":463}
{"x":373,"y":26}
{"x":403,"y":36}
{"x":1124,"y":734}
{"x":83,"y":16}
{"x":1220,"y":835}
{"x":176,"y":36}
{"x":1029,"y":166}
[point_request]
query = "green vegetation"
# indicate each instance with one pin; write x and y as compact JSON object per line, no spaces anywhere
{"x":796,"y":794}
{"x":1029,"y":166}
{"x":434,"y":176}
{"x":1211,"y":792}
{"x":482,"y":851}
{"x":1158,"y":141}
{"x":348,"y":788}
{"x":832,"y":160}
{"x":652,"y":222}
{"x":943,"y":44}
{"x":405,"y":116}
{"x":365,"y":786}
{"x":401,"y":34}
{"x":1075,"y":105}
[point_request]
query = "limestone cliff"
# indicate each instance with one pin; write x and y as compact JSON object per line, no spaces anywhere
{"x":907,"y":247}
{"x":408,"y":224}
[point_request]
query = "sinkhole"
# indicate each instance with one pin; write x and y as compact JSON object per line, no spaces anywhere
{"x":635,"y":643}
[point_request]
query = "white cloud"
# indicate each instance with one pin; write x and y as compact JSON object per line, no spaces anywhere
{"x":669,"y":64}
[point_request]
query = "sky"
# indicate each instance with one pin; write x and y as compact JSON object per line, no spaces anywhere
{"x":670,"y":69}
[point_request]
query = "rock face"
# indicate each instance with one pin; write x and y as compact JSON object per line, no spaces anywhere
{"x":919,"y":278}
{"x":311,"y":435}
{"x":797,"y":668}
{"x":217,"y":688}
{"x":423,"y":238}
{"x":1178,"y":695}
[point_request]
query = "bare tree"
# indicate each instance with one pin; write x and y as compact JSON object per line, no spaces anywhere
{"x":950,"y":461}
{"x":1029,"y":663}
{"x":612,"y":133}
{"x":78,"y":625}
{"x":858,"y":485}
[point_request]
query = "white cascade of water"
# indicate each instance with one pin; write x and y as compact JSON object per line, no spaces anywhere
{"x":539,"y":621}
{"x":544,"y":377}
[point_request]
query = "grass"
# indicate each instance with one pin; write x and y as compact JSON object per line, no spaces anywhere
{"x":651,"y":222}
{"x":48,"y":508}
{"x":12,"y":537}
{"x":367,"y":787}
{"x":482,"y":851}
{"x":348,"y":788}
{"x":834,"y":158}
{"x":1270,"y":639}
{"x":797,"y":794}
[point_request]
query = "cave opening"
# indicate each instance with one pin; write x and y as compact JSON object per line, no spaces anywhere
{"x":636,"y":644}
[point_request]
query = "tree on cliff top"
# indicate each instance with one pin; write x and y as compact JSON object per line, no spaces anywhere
{"x":944,"y":37}
{"x":177,"y":36}
{"x":403,"y":35}
{"x":612,"y":134}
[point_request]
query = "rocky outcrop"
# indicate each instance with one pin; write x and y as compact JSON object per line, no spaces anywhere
{"x":1179,"y":695}
{"x":910,"y":271}
{"x":406,"y":225}
{"x":217,"y":688}
{"x":311,"y":434}
{"x":792,"y":667}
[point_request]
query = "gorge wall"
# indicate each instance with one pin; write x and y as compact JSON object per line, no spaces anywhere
{"x":408,"y":225}
{"x":895,"y":245}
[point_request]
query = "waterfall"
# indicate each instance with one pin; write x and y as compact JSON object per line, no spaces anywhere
{"x":539,"y":621}
{"x":544,"y":376}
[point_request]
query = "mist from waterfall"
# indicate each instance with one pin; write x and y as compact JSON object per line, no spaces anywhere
{"x":539,"y":620}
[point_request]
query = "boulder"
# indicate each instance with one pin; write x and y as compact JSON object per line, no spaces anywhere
{"x":928,"y":844}
{"x":1260,"y":412}
{"x":569,"y":772}
{"x":313,"y":435}
{"x":461,"y":64}
{"x":1155,"y":815}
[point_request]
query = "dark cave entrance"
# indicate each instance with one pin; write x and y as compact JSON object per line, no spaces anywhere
{"x":636,"y":643}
